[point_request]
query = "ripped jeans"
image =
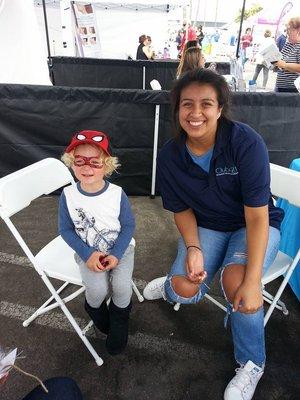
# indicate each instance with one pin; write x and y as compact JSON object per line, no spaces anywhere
{"x":221,"y":249}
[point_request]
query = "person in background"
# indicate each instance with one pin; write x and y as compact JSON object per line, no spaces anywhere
{"x":192,"y":59}
{"x":246,"y":41}
{"x":200,"y":35}
{"x":216,"y":36}
{"x":215,"y":177}
{"x":289,"y":66}
{"x":178,"y":40}
{"x":280,"y":42}
{"x":189,"y":44}
{"x":260,"y":65}
{"x":189,"y":33}
{"x":144,"y":52}
{"x":152,"y":52}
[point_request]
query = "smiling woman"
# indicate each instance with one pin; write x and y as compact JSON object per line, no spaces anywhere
{"x":215,"y":178}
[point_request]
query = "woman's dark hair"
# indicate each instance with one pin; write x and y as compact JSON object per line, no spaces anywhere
{"x":192,"y":59}
{"x":191,"y":43}
{"x":142,"y":38}
{"x":202,"y":77}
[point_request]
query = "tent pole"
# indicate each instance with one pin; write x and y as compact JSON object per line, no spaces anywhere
{"x":240,"y":30}
{"x":46,"y":30}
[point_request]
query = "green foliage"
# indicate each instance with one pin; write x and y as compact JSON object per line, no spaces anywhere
{"x":254,"y":9}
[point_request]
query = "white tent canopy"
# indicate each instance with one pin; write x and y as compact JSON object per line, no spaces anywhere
{"x":23,"y":56}
{"x":120,"y":24}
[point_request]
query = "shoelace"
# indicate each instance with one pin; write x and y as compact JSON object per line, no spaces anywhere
{"x":242,"y":378}
{"x":160,"y":287}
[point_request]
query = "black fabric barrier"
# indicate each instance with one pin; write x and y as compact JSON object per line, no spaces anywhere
{"x":38,"y":121}
{"x":119,"y":74}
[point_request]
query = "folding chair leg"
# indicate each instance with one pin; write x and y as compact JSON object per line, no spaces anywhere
{"x":45,"y":308}
{"x":90,"y":348}
{"x":217,"y":303}
{"x":137,"y":292}
{"x":61,"y":303}
{"x":280,"y":305}
{"x":87,"y":327}
{"x":36,"y":313}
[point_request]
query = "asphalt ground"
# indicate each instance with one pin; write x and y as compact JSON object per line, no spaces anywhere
{"x":184,"y":355}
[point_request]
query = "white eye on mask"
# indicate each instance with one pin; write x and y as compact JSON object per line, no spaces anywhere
{"x":97,"y":138}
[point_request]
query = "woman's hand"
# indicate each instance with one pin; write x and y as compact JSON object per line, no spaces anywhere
{"x":194,"y":265}
{"x":280,"y":64}
{"x":248,"y":298}
{"x":110,"y":262}
{"x":94,"y":263}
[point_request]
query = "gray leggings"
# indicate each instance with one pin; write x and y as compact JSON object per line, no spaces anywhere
{"x":116,"y":282}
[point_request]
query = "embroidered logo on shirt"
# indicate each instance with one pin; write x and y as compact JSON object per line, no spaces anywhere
{"x":226,"y":171}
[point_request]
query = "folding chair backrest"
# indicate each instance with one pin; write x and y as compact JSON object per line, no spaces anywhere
{"x":19,"y":188}
{"x":285,"y":183}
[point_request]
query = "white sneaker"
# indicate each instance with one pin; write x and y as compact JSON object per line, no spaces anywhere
{"x":243,"y":385}
{"x":155,"y":289}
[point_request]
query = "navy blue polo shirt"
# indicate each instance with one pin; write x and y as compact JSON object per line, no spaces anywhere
{"x":239,"y":175}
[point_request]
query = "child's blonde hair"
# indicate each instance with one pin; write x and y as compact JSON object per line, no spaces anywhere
{"x":111,"y":163}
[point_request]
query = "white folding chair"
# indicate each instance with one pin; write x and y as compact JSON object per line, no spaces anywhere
{"x":285,"y":183}
{"x":56,"y":259}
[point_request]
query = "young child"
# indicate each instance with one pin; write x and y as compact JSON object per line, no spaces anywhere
{"x":96,"y":221}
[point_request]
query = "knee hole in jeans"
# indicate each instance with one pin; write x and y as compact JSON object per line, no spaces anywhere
{"x":183,"y":287}
{"x":231,"y":279}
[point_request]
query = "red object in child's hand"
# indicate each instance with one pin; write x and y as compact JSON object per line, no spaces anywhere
{"x":104,"y":263}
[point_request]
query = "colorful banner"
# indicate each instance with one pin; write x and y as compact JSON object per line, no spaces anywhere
{"x":86,"y":31}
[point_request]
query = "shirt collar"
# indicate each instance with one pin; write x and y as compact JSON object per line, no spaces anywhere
{"x":222,"y":140}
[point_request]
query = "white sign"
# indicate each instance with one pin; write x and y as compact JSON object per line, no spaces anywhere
{"x":86,"y":32}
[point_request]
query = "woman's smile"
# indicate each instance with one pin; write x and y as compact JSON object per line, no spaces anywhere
{"x":199,"y":112}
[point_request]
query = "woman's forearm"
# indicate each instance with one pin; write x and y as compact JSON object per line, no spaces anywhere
{"x":187,"y":226}
{"x":257,"y":229}
{"x":291,"y":67}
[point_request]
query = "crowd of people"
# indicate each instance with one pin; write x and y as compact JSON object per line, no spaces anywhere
{"x":286,"y":67}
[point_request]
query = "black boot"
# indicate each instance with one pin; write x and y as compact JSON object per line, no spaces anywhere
{"x":118,"y":331}
{"x":100,"y":316}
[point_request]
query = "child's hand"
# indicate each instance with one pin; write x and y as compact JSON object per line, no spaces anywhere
{"x":110,"y":262}
{"x":94,"y":263}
